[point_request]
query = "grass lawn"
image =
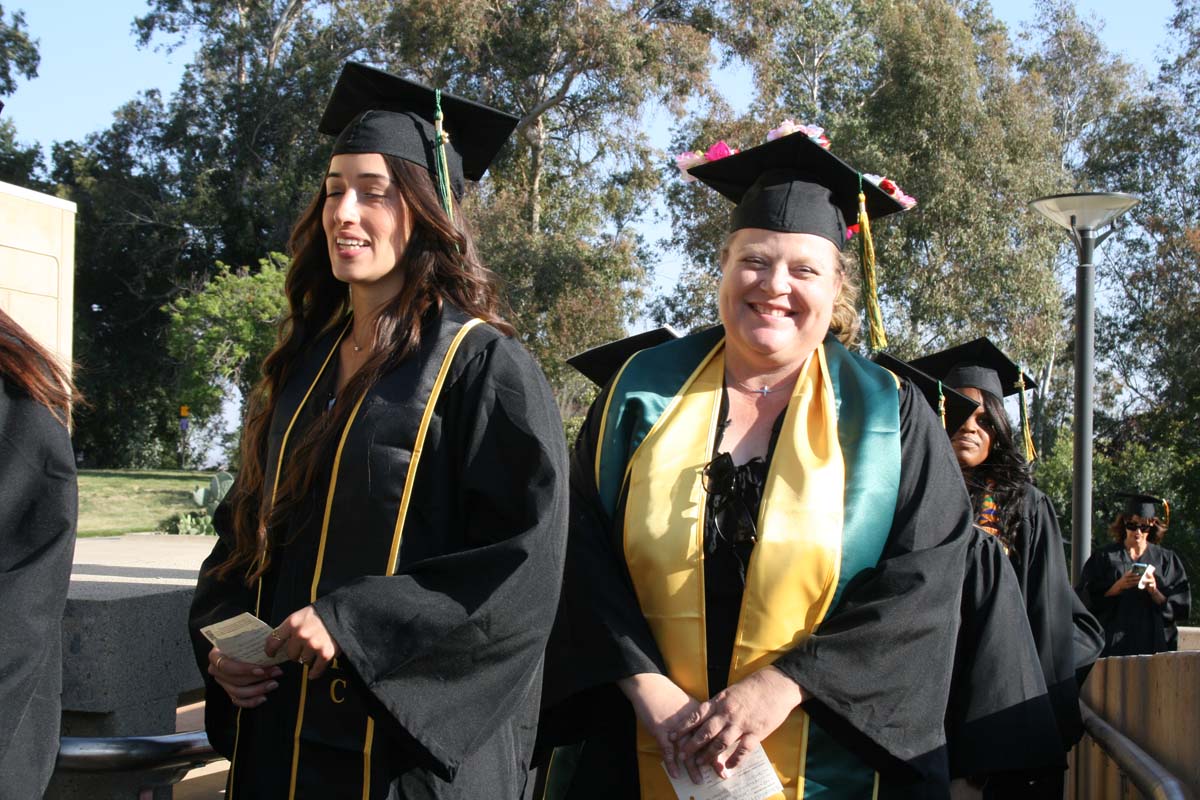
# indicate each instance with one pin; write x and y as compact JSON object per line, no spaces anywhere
{"x":113,"y":501}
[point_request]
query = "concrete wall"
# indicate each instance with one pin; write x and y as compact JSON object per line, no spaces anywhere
{"x":1152,"y":700}
{"x":37,"y":265}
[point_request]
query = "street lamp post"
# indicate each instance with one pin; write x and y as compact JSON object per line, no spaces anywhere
{"x":1084,"y":215}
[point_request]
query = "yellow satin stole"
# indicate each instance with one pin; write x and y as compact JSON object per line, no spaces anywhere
{"x":793,"y":572}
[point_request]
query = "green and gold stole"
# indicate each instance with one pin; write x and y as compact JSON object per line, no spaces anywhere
{"x":840,"y":439}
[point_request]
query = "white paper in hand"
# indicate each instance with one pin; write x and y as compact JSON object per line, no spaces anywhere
{"x":754,"y":779}
{"x":243,"y":637}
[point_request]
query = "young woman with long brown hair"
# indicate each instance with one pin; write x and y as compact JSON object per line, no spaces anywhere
{"x":38,"y":504}
{"x":399,"y":515}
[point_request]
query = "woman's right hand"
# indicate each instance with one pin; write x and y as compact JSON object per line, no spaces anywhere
{"x":246,"y":684}
{"x":1126,"y":581}
{"x":661,"y":706}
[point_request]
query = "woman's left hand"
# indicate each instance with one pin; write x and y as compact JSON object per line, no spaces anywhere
{"x":306,"y":640}
{"x":728,"y":727}
{"x":1151,"y":587}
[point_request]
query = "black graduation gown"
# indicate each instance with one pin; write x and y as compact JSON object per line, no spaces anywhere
{"x":1068,"y":638}
{"x":878,"y":670}
{"x":1133,"y":623}
{"x":446,"y":654}
{"x":38,"y":506}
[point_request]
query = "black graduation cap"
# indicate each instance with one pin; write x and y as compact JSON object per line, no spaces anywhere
{"x":958,"y":407}
{"x":600,"y":363}
{"x":794,"y":185}
{"x":1144,"y":506}
{"x":978,"y":363}
{"x":372,"y":111}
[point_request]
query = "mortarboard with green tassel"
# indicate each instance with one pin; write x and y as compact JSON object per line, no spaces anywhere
{"x":372,"y":111}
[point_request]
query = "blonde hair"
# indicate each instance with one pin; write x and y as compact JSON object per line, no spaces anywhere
{"x":844,"y":322}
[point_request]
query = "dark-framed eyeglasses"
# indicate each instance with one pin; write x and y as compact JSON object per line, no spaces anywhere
{"x":1147,"y":527}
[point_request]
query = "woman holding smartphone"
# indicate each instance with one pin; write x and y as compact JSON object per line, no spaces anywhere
{"x":1137,"y":588}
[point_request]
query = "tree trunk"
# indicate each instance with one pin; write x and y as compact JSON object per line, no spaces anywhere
{"x":537,"y":140}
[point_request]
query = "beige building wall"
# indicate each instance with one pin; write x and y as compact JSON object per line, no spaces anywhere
{"x":37,"y":264}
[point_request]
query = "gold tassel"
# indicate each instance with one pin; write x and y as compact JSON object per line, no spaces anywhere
{"x":877,"y":338}
{"x":942,"y":405}
{"x":1166,"y":513}
{"x":1027,"y":434}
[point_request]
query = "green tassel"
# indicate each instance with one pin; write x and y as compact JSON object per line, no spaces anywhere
{"x":876,"y":336}
{"x":441,"y":167}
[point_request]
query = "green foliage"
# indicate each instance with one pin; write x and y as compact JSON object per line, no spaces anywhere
{"x":18,"y":53}
{"x":221,"y":332}
{"x":20,"y":164}
{"x":219,"y":173}
{"x":190,"y":523}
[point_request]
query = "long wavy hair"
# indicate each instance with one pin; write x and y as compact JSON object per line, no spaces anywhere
{"x":1005,"y":469}
{"x":35,"y":371}
{"x":440,"y":264}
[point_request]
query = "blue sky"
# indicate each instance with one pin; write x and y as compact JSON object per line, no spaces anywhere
{"x":91,"y":63}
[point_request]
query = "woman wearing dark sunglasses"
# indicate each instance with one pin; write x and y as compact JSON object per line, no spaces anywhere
{"x":1135,"y":587}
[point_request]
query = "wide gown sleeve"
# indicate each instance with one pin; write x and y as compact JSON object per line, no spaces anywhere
{"x":881,"y":668}
{"x":452,"y":645}
{"x":1174,"y":584}
{"x":1068,"y":638}
{"x":38,"y":504}
{"x":216,"y":600}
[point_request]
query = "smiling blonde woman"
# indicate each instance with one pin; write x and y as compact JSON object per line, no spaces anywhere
{"x":770,"y":539}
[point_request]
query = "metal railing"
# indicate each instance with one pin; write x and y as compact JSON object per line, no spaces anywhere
{"x":130,"y":753}
{"x":1147,"y":775}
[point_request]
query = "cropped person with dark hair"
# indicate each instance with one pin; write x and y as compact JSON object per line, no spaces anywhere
{"x":38,"y":507}
{"x":1136,"y":587}
{"x":1006,"y":505}
{"x":399,"y":518}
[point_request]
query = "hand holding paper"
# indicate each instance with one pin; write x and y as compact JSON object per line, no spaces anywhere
{"x":243,"y":637}
{"x":753,"y":779}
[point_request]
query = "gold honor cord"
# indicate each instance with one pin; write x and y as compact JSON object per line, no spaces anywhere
{"x":419,"y":444}
{"x":1026,"y":433}
{"x":237,"y":730}
{"x":337,"y":460}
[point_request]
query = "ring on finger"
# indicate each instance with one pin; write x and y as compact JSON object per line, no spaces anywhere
{"x":275,"y":635}
{"x":217,"y":666}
